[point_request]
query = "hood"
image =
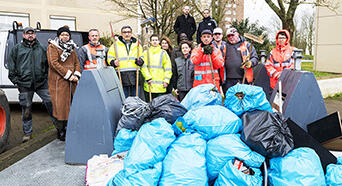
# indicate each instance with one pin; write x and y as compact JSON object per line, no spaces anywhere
{"x":287,"y":42}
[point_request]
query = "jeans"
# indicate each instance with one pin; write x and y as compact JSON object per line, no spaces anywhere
{"x":130,"y":91}
{"x":25,"y":101}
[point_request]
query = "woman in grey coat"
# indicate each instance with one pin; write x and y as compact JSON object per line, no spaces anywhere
{"x":183,"y":71}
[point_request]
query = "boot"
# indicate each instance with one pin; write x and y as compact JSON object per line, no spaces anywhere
{"x":60,"y":130}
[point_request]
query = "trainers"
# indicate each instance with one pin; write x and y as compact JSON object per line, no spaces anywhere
{"x":26,"y":138}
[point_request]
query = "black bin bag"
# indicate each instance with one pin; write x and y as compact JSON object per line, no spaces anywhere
{"x":267,"y":133}
{"x":134,"y":111}
{"x":167,"y":107}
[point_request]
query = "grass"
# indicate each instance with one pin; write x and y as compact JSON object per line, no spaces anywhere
{"x":337,"y":96}
{"x":308,"y":66}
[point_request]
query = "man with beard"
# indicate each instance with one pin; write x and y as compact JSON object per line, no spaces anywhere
{"x":28,"y":69}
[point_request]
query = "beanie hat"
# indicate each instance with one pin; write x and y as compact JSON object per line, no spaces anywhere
{"x":63,"y":29}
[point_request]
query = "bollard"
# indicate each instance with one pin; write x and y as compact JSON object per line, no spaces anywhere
{"x":297,"y":55}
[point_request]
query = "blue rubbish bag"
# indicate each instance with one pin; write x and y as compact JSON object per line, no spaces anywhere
{"x":228,"y":147}
{"x":242,"y":98}
{"x":301,"y":166}
{"x":143,"y":162}
{"x":202,"y":95}
{"x":230,"y":175}
{"x":149,"y":146}
{"x":148,"y":177}
{"x":185,"y":162}
{"x":123,"y":141}
{"x":210,"y":121}
{"x":333,"y":176}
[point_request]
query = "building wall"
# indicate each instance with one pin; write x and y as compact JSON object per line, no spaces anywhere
{"x":234,"y":11}
{"x":86,"y":13}
{"x":328,"y":42}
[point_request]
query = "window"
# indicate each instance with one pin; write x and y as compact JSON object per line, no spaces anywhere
{"x":228,"y":19}
{"x":234,"y":19}
{"x":59,"y":21}
{"x":6,"y":19}
{"x":234,"y":12}
{"x":227,"y":26}
{"x":228,"y":12}
{"x":234,"y":5}
{"x":228,"y":5}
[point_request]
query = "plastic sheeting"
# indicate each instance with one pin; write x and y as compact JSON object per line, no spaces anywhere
{"x":210,"y":121}
{"x":242,"y":98}
{"x":333,"y":176}
{"x":123,"y":140}
{"x":202,"y":95}
{"x":134,"y":111}
{"x":149,"y":148}
{"x":230,"y":175}
{"x":167,"y":107}
{"x":185,"y":162}
{"x":267,"y":133}
{"x":227,"y":147}
{"x":299,"y":167}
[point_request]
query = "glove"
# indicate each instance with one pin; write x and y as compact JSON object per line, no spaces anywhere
{"x":208,"y":49}
{"x":139,"y":62}
{"x":246,"y":64}
{"x":112,"y":63}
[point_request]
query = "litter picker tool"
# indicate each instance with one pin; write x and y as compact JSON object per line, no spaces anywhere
{"x":116,"y":51}
{"x":254,"y":38}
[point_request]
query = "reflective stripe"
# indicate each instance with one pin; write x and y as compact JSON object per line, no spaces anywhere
{"x":204,"y":64}
{"x":127,"y":69}
{"x":110,"y":56}
{"x":90,"y":66}
{"x":276,"y":64}
{"x":272,"y":72}
{"x":156,"y":67}
{"x":161,"y":59}
{"x":166,"y":78}
{"x":126,"y":58}
{"x":157,"y":82}
{"x":168,"y":69}
{"x":205,"y":72}
{"x":88,"y":53}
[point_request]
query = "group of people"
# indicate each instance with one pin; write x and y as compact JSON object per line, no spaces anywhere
{"x":53,"y":73}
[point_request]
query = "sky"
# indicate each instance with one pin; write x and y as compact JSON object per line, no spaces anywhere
{"x":259,"y":11}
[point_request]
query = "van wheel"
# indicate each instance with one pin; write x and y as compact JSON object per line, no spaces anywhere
{"x":5,"y":121}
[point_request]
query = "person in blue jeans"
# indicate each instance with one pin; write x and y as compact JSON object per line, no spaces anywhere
{"x":28,"y":70}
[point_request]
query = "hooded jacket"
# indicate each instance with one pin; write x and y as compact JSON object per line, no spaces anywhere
{"x":280,"y":57}
{"x":207,"y":23}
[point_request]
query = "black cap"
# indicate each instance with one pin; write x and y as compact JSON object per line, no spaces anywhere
{"x":26,"y":29}
{"x":63,"y":29}
{"x":207,"y":31}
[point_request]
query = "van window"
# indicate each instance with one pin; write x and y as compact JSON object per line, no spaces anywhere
{"x":59,"y":21}
{"x":6,"y":19}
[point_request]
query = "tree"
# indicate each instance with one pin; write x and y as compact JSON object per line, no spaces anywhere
{"x":245,"y":27}
{"x":164,"y":11}
{"x":303,"y":36}
{"x":286,"y":9}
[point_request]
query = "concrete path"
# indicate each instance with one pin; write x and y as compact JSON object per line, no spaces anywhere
{"x":44,"y":167}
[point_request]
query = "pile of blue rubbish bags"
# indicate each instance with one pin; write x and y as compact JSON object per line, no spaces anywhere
{"x":199,"y":142}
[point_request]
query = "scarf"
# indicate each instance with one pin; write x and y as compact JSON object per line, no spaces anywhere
{"x":66,"y":47}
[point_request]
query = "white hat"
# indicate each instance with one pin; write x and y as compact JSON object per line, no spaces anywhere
{"x":231,"y":31}
{"x":218,"y":30}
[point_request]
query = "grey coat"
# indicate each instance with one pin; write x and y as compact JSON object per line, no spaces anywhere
{"x":184,"y":73}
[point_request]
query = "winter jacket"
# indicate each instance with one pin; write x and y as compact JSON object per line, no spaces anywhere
{"x":28,"y":65}
{"x":157,"y":67}
{"x":223,"y":49}
{"x":235,"y":55}
{"x":206,"y":23}
{"x":126,"y":53}
{"x":280,"y":57}
{"x":203,"y":73}
{"x":184,"y":73}
{"x":60,"y":88}
{"x":185,"y":25}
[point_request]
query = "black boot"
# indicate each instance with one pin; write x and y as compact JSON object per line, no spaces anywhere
{"x":60,"y":130}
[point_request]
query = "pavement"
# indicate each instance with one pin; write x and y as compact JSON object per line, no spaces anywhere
{"x":44,"y":167}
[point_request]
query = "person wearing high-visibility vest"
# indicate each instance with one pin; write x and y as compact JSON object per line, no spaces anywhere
{"x":123,"y":56}
{"x":156,"y":69}
{"x":240,"y":59}
{"x":87,"y":54}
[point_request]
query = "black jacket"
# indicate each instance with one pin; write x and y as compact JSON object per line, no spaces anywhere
{"x":184,"y":73}
{"x":185,"y":25}
{"x":27,"y":65}
{"x":206,"y":23}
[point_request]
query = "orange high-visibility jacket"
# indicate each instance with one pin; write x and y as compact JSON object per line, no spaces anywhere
{"x":279,"y":58}
{"x":91,"y":62}
{"x":203,"y":73}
